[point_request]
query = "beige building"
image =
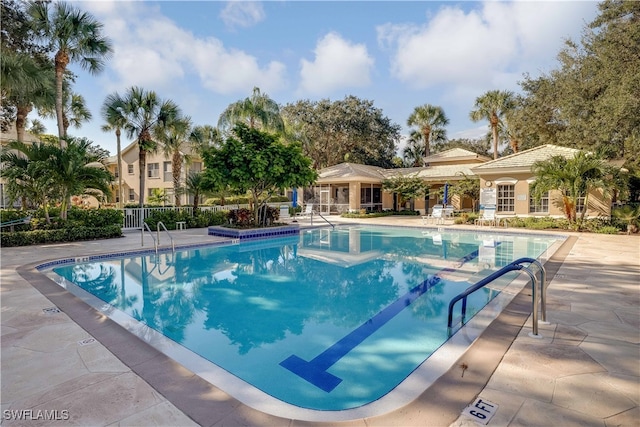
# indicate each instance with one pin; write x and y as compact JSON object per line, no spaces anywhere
{"x":158,"y":175}
{"x":504,"y":182}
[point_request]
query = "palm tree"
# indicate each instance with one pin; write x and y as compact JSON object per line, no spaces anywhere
{"x":74,"y":36}
{"x":115,"y":121}
{"x":76,"y":170}
{"x":25,"y":170}
{"x":141,"y":111}
{"x":414,"y":150}
{"x":492,"y":106}
{"x":74,"y":110}
{"x":194,"y":185}
{"x":575,"y":178}
{"x":257,"y":111}
{"x":171,"y":137}
{"x":205,"y":136}
{"x":26,"y":83}
{"x":431,"y":120}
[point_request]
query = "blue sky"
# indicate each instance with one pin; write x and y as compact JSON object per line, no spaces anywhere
{"x":205,"y":55}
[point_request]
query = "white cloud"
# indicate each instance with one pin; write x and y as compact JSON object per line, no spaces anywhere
{"x":150,"y":50}
{"x":242,"y":14}
{"x":337,"y":64}
{"x":484,"y":47}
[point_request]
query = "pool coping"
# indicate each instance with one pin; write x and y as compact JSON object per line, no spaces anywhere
{"x":192,"y":394}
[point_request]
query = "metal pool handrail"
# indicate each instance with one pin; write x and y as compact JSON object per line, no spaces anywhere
{"x":513,"y":266}
{"x":146,"y":226}
{"x":160,"y":223}
{"x":325,"y":219}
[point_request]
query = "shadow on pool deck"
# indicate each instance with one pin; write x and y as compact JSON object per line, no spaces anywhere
{"x":584,"y":371}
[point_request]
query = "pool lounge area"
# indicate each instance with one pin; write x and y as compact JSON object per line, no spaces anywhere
{"x":571,"y":361}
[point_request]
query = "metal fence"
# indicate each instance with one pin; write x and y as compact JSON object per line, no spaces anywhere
{"x":134,"y":217}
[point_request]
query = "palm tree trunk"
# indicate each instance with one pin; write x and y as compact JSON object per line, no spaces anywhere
{"x":118,"y":149}
{"x":61,"y":61}
{"x":427,"y":150}
{"x":494,"y":131}
{"x":142,"y":160}
{"x":176,"y":170}
{"x":21,"y":120}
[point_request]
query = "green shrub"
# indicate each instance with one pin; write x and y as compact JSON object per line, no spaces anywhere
{"x":96,"y":217}
{"x":208,"y":218}
{"x":37,"y":237}
{"x":608,"y":229}
{"x":14,"y":215}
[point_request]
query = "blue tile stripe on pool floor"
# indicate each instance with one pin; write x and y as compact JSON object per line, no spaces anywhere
{"x":315,"y":371}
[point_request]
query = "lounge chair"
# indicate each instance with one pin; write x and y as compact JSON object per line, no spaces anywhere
{"x":307,"y":213}
{"x":437,"y":215}
{"x":488,"y":216}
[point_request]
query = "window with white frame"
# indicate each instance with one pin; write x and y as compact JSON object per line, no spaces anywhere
{"x":580,"y":205}
{"x":506,"y":198}
{"x":540,"y":206}
{"x":167,"y":171}
{"x":153,"y":170}
{"x":130,"y":169}
{"x":132,"y":195}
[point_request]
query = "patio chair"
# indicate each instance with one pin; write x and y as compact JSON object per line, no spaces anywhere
{"x":307,"y":213}
{"x":437,"y":215}
{"x":488,"y":216}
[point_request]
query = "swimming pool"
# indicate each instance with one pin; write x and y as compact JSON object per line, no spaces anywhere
{"x":330,"y":321}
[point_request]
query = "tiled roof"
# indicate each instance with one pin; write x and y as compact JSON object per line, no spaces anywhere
{"x":525,"y":159}
{"x":452,"y":154}
{"x":435,"y":172}
{"x":350,"y":170}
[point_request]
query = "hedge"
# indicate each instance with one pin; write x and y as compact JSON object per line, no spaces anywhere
{"x":37,"y":237}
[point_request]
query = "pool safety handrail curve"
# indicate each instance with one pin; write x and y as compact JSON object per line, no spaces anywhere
{"x":160,"y":223}
{"x":142,"y":230}
{"x":325,"y":219}
{"x":513,"y":266}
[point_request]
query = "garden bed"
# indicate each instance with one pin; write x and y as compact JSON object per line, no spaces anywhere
{"x":254,"y":233}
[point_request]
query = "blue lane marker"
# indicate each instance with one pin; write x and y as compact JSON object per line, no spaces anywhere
{"x":315,"y":371}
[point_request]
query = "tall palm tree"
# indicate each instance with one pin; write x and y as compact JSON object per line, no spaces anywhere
{"x":172,"y":137}
{"x":414,"y":150}
{"x":431,"y":121}
{"x":26,"y":83}
{"x":115,"y":121}
{"x":74,"y":36}
{"x":492,"y":106}
{"x":205,"y":136}
{"x":141,"y":111}
{"x":257,"y":111}
{"x":194,"y":185}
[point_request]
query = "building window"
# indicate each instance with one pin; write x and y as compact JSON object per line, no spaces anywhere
{"x":542,"y":206}
{"x":153,"y":170}
{"x":580,"y":205}
{"x":506,"y":198}
{"x":195,"y":167}
{"x":116,"y":173}
{"x":132,"y":195}
{"x":167,"y":171}
{"x":130,"y":169}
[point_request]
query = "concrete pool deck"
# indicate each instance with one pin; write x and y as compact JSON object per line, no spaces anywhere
{"x":85,"y":370}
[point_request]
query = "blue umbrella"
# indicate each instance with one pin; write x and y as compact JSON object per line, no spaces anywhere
{"x":295,"y":198}
{"x":446,"y":192}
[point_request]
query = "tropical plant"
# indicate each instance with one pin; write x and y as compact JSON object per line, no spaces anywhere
{"x":73,"y":36}
{"x":74,"y":110}
{"x":492,"y":106}
{"x":257,"y":162}
{"x":629,"y":214}
{"x":26,"y":83}
{"x":158,"y":196}
{"x":172,"y":137}
{"x":408,"y":188}
{"x":431,"y":121}
{"x":141,"y":111}
{"x":257,"y":111}
{"x":115,"y":121}
{"x":575,"y":178}
{"x":467,"y":187}
{"x":205,"y":136}
{"x":413,"y":152}
{"x":194,"y":185}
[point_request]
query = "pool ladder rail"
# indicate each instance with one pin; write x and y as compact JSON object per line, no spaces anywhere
{"x":156,"y":238}
{"x":513,"y":266}
{"x":325,"y":220}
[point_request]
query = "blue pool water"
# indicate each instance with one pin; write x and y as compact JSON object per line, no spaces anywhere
{"x":329,"y":320}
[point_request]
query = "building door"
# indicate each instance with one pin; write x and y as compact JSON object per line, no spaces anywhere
{"x":325,"y":202}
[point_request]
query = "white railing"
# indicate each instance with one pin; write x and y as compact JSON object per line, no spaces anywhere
{"x":134,"y":217}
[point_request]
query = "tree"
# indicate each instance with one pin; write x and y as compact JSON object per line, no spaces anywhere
{"x":141,"y":111}
{"x":73,"y":36}
{"x":413,"y":152}
{"x":492,"y":106}
{"x":259,"y":163}
{"x":26,"y":83}
{"x":406,"y":187}
{"x":172,"y":137}
{"x":431,"y":121}
{"x":467,"y":187}
{"x":74,"y":110}
{"x":575,"y":178}
{"x":205,"y":136}
{"x":115,"y":121}
{"x":194,"y":185}
{"x":76,"y":170}
{"x":350,"y":130}
{"x":257,"y":111}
